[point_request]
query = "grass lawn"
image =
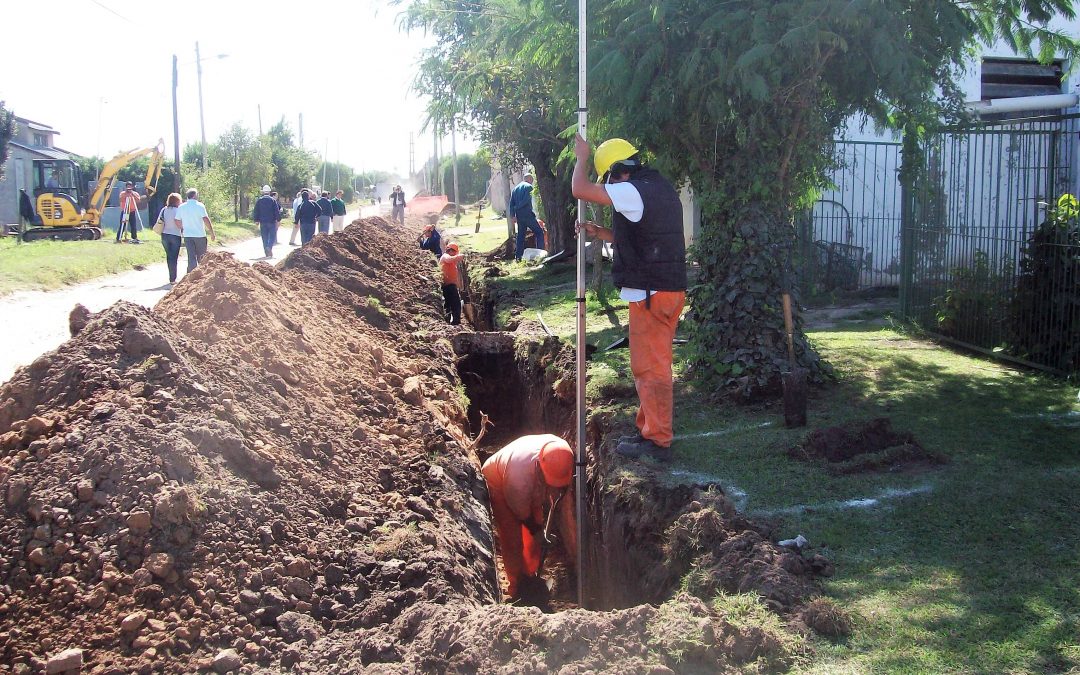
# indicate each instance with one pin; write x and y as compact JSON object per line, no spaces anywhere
{"x":492,"y":229}
{"x":969,"y":567}
{"x":44,"y":265}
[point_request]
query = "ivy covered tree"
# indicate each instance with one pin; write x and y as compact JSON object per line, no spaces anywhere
{"x":7,"y":132}
{"x":744,"y":100}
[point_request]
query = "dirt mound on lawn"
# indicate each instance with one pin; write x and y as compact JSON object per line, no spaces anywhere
{"x":871,"y":446}
{"x":270,"y":470}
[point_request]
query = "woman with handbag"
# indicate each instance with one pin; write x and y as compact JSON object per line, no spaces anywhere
{"x":171,"y":231}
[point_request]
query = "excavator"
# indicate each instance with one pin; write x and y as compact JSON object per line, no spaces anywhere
{"x":59,"y":194}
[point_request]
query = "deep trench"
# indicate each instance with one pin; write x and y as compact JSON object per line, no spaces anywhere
{"x":511,"y":379}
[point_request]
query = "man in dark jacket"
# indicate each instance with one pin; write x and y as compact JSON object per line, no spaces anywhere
{"x":649,"y":267}
{"x":431,"y":240}
{"x":522,"y":215}
{"x":326,"y":212}
{"x":267,"y":213}
{"x":397,"y":205}
{"x":306,"y":216}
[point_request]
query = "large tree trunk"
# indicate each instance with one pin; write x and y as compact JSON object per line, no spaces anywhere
{"x":737,"y":320}
{"x":554,"y":184}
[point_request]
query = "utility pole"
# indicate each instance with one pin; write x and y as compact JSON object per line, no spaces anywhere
{"x":337,"y":177}
{"x":434,"y":161}
{"x":301,"y":131}
{"x":453,"y":154}
{"x":258,"y":108}
{"x":175,"y":129}
{"x":202,"y":122}
{"x":412,"y":155}
{"x":326,"y":153}
{"x":436,"y":180}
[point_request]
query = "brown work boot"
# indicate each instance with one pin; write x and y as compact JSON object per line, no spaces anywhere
{"x":635,"y":450}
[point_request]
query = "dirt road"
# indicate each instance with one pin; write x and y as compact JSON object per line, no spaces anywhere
{"x":38,"y":320}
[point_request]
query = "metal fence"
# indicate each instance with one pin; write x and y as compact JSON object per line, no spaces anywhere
{"x":850,"y":240}
{"x":987,"y":268}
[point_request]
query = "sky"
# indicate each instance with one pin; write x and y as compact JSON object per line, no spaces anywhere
{"x":104,"y":79}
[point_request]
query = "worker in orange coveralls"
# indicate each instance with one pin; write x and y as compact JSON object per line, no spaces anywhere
{"x":526,"y":479}
{"x":649,"y":268}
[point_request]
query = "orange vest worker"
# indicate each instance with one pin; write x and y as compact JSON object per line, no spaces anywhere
{"x":523,"y":478}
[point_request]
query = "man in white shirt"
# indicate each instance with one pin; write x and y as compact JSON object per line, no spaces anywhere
{"x":195,"y":224}
{"x":649,"y":267}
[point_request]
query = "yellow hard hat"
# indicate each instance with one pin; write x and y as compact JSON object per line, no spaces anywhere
{"x":610,"y":151}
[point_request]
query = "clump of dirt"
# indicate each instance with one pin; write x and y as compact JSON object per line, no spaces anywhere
{"x":675,"y":532}
{"x":858,"y":448}
{"x":249,"y":467}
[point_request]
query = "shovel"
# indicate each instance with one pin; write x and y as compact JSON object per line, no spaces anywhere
{"x":794,"y":381}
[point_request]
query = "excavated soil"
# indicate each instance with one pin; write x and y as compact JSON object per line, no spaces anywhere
{"x":871,"y":446}
{"x":273,"y":470}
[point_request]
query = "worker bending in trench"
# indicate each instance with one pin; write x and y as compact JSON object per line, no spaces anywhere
{"x":527,"y":480}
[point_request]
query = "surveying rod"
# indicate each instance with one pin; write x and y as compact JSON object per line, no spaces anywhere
{"x":579,"y":465}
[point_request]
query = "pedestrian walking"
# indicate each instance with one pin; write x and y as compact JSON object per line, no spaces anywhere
{"x":267,"y":212}
{"x":338,"y":206}
{"x":326,"y":212}
{"x":296,"y":227}
{"x":649,"y":267}
{"x":306,"y":217}
{"x":171,"y":233}
{"x":195,"y":225}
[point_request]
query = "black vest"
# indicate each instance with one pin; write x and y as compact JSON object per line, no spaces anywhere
{"x":651,"y":253}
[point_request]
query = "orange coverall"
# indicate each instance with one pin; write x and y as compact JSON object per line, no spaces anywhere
{"x":652,"y":329}
{"x":518,"y":496}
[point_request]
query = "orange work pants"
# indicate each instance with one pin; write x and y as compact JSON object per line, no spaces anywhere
{"x":652,"y":329}
{"x":520,"y":550}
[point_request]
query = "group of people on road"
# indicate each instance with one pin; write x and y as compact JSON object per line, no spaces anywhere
{"x":186,"y":223}
{"x":323,"y":214}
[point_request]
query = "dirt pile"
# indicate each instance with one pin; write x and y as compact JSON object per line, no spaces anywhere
{"x":271,"y":470}
{"x":870,"y":446}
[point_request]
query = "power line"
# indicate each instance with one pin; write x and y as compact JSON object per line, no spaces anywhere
{"x":112,"y":11}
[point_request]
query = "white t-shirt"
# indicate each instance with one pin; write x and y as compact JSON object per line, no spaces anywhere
{"x":191,"y":214}
{"x":626,"y":199}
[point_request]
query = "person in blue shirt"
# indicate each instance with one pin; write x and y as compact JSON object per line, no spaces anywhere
{"x":306,"y":216}
{"x":267,"y":213}
{"x":522,"y":215}
{"x":431,"y":240}
{"x":326,"y":212}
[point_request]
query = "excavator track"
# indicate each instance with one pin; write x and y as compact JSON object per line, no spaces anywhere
{"x":62,"y":233}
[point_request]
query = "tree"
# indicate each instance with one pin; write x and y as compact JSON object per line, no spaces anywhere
{"x":502,"y":69}
{"x":744,"y":101}
{"x":7,"y":132}
{"x":245,"y":163}
{"x":474,"y":172}
{"x":293,"y":166}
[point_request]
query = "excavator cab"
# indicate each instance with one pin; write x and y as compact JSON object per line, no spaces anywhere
{"x":58,"y":192}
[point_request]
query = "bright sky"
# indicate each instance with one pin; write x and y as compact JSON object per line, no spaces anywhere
{"x":103,"y":79}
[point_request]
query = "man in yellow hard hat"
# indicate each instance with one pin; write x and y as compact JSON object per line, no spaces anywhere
{"x":649,"y":267}
{"x":526,"y":480}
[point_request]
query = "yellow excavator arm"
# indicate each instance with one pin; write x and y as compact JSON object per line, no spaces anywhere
{"x":107,"y":178}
